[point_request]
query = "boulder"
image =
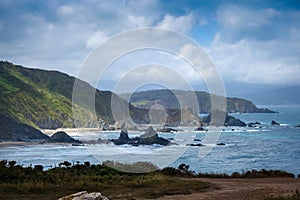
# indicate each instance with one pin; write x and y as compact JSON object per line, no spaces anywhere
{"x":62,"y":137}
{"x":274,"y":123}
{"x":84,"y":195}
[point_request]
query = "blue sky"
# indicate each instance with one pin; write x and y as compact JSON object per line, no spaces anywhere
{"x":251,"y":42}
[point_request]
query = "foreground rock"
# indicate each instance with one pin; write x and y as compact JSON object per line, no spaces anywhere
{"x":84,"y":195}
{"x":62,"y":137}
{"x":150,"y":137}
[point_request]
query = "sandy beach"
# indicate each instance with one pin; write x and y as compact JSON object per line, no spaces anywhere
{"x":69,"y":130}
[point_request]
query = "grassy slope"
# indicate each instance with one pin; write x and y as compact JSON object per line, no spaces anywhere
{"x":43,"y":99}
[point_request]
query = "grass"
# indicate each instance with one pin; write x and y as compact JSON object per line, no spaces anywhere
{"x":17,"y":182}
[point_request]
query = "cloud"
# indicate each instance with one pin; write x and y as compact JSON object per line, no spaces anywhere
{"x":252,"y":43}
{"x":182,"y":23}
{"x":96,"y":39}
{"x":258,"y":45}
{"x":60,"y":35}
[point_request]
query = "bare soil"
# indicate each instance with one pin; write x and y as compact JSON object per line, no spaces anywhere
{"x":239,"y":189}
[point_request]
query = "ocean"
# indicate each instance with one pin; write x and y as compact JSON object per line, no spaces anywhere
{"x":262,"y":147}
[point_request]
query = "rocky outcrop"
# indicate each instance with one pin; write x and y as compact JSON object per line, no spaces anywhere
{"x":12,"y":130}
{"x":84,"y":195}
{"x":219,"y":117}
{"x":166,"y":129}
{"x":232,"y":121}
{"x":49,"y":123}
{"x":62,"y":137}
{"x":254,"y":124}
{"x":275,"y":123}
{"x":148,"y":138}
{"x":184,"y":117}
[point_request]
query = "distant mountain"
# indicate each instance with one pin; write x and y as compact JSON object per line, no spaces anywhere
{"x":281,"y":96}
{"x":33,"y":99}
{"x":167,"y":98}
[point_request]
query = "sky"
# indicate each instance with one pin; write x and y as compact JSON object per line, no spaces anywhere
{"x":250,"y":42}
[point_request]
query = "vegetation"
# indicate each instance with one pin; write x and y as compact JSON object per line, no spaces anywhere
{"x":43,"y":99}
{"x":17,"y":182}
{"x":169,"y":99}
{"x":250,"y":174}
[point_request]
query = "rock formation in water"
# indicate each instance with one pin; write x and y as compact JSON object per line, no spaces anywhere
{"x":148,"y":138}
{"x":274,"y":123}
{"x":62,"y":137}
{"x":222,"y":119}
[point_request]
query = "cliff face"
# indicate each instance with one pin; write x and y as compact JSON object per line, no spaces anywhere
{"x":42,"y":99}
{"x":168,"y":100}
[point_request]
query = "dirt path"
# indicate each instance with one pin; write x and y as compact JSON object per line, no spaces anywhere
{"x":239,"y":189}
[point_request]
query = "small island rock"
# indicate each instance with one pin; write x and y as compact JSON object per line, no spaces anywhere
{"x":62,"y":137}
{"x":274,"y":123}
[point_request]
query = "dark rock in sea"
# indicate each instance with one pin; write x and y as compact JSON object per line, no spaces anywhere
{"x":200,"y":129}
{"x":195,"y":145}
{"x":62,"y":137}
{"x":221,"y":144}
{"x":148,"y":138}
{"x":123,"y":138}
{"x":222,"y":119}
{"x":196,"y":139}
{"x":234,"y":122}
{"x":274,"y":123}
{"x":298,"y":126}
{"x":254,"y":124}
{"x":166,"y":130}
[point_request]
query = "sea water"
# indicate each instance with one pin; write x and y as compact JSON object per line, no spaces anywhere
{"x":262,"y":147}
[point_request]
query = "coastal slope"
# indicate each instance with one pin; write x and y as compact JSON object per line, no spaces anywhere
{"x":41,"y":99}
{"x":169,"y":99}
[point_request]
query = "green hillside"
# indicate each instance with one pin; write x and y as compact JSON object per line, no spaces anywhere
{"x":43,"y":99}
{"x":168,"y":99}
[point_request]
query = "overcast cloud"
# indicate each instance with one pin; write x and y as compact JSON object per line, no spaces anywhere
{"x":249,"y":42}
